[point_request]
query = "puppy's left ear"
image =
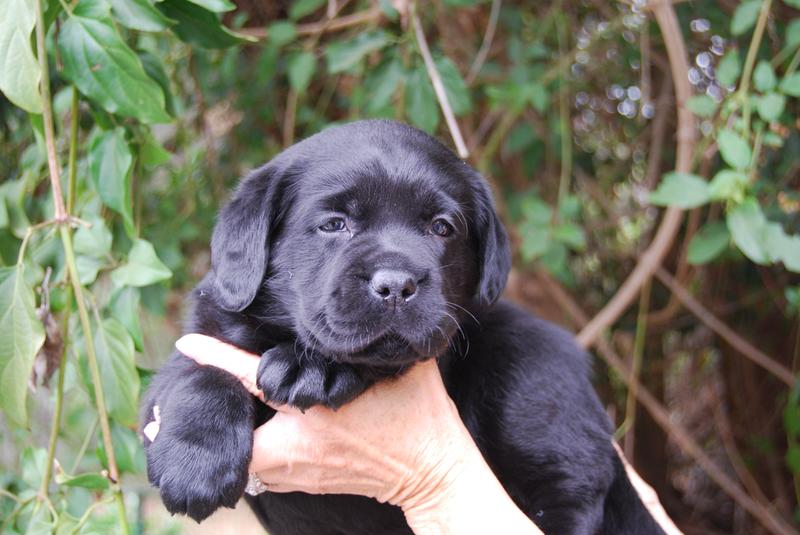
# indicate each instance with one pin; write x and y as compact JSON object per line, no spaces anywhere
{"x":240,"y":243}
{"x":494,"y":255}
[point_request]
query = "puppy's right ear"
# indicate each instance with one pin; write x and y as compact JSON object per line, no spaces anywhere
{"x":240,"y":243}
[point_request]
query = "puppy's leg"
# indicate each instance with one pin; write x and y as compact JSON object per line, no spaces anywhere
{"x":304,"y":379}
{"x":200,"y":454}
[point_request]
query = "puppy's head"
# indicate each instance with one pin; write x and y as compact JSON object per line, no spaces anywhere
{"x":372,"y":238}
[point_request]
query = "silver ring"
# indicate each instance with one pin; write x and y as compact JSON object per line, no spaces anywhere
{"x":254,"y":485}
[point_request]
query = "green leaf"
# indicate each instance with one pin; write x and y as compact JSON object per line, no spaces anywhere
{"x":770,"y":106}
{"x":343,"y":55}
{"x":139,"y":15}
{"x":33,"y":461}
{"x":281,"y":32}
{"x":101,"y":65}
{"x":421,"y":106}
{"x":794,"y":3}
{"x":125,"y":307}
{"x":791,"y":85}
{"x":152,"y":153}
{"x":19,"y":70}
{"x":764,"y":78}
{"x":301,"y":8}
{"x":86,"y":481}
{"x":571,"y":235}
{"x":155,"y":70}
{"x":300,"y":69}
{"x":22,"y":336}
{"x":729,"y":68}
{"x":728,"y":185}
{"x":792,"y":37}
{"x":746,"y":224}
{"x":536,"y":211}
{"x":734,"y":149}
{"x":88,"y":268}
{"x":93,"y":241}
{"x":218,"y":6}
{"x":115,"y":358}
{"x":454,"y":86}
{"x":127,"y":448}
{"x":142,"y":268}
{"x":535,"y":241}
{"x":683,"y":190}
{"x":745,"y":16}
{"x":781,"y":247}
{"x":381,"y":84}
{"x":199,"y":26}
{"x":702,"y":105}
{"x":110,"y":162}
{"x":708,"y":243}
{"x":537,"y":95}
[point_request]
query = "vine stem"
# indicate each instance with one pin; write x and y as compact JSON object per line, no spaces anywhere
{"x":750,"y":61}
{"x":63,"y":220}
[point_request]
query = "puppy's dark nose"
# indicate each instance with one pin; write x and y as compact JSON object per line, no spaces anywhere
{"x":393,"y":285}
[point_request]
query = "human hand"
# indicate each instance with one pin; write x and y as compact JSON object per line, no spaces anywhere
{"x":400,"y":442}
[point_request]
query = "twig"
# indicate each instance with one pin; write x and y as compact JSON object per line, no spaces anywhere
{"x":69,"y":254}
{"x":341,"y":23}
{"x":438,"y":87}
{"x":662,"y":417}
{"x":486,"y":45}
{"x":564,"y":119}
{"x":750,"y":60}
{"x":737,"y":342}
{"x":670,"y":224}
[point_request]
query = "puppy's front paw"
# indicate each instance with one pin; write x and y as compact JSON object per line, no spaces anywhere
{"x":199,"y":470}
{"x":284,"y":378}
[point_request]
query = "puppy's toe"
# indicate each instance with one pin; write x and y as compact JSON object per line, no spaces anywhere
{"x":277,"y":373}
{"x":344,"y":384}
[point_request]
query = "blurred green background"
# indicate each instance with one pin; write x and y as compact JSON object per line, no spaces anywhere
{"x":620,"y":137}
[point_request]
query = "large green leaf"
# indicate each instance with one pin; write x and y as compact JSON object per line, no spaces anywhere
{"x":21,"y":336}
{"x":143,"y":267}
{"x":139,"y":15}
{"x":708,"y":243}
{"x":93,"y":241}
{"x":683,"y":190}
{"x":199,"y":26}
{"x":781,"y":247}
{"x":104,"y":68}
{"x":125,"y":307}
{"x":344,"y":55}
{"x":282,"y":32}
{"x":300,"y":68}
{"x":746,"y":224}
{"x":745,"y":16}
{"x":115,"y":359}
{"x":454,"y":86}
{"x":734,"y":149}
{"x":728,"y":185}
{"x":19,"y":70}
{"x":421,"y":104}
{"x":218,"y":6}
{"x":110,"y":162}
{"x":381,"y":84}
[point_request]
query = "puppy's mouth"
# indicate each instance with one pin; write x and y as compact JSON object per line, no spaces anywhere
{"x":375,"y":347}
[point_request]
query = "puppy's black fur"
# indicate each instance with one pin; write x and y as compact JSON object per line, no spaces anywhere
{"x":344,"y":260}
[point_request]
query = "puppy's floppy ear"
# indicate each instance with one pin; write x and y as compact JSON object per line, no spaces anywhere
{"x":494,"y":256}
{"x":240,"y":243}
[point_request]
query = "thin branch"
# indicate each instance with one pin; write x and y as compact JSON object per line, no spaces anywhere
{"x":673,"y":217}
{"x":486,"y":45}
{"x":750,"y":60}
{"x":715,"y":324}
{"x":662,"y":417}
{"x":338,"y":24}
{"x":438,"y":87}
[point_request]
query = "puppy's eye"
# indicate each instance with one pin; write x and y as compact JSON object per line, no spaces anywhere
{"x":442,"y":228}
{"x":336,"y":224}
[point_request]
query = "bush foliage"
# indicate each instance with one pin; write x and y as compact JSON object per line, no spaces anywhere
{"x":124,"y":123}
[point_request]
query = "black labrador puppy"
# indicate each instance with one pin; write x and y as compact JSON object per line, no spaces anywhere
{"x":346,"y":259}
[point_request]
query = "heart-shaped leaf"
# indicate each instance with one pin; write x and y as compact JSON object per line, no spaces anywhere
{"x":19,"y":70}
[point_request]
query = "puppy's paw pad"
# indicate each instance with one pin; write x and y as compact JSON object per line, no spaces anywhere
{"x":277,"y":373}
